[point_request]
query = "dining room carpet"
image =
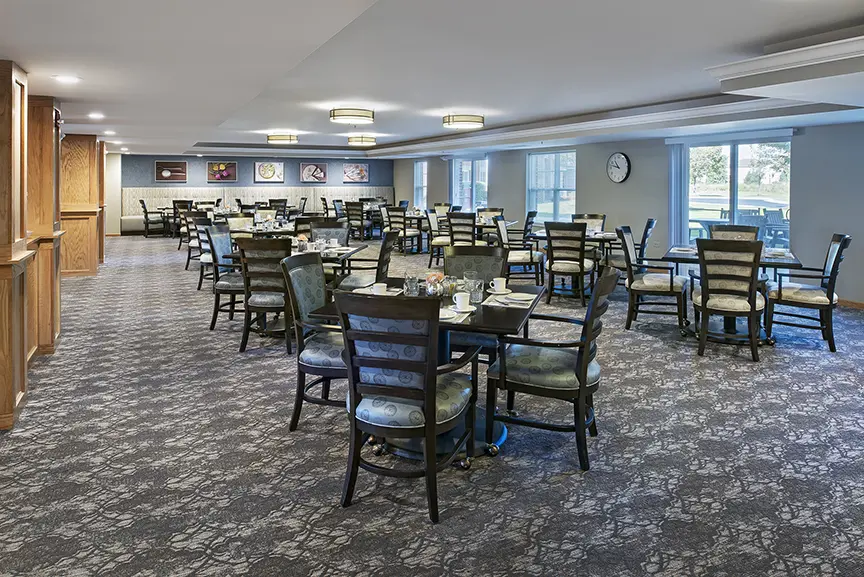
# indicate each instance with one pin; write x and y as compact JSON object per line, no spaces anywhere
{"x":150,"y":446}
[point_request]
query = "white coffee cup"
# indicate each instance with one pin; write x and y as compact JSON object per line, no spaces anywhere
{"x":462,"y":300}
{"x":379,"y":288}
{"x":333,"y":242}
{"x":498,"y":284}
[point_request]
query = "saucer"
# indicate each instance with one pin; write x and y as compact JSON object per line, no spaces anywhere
{"x":470,"y":309}
{"x":446,"y":314}
{"x":521,"y":297}
{"x":496,"y":293}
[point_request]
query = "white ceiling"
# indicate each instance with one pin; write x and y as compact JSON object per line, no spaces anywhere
{"x":170,"y":74}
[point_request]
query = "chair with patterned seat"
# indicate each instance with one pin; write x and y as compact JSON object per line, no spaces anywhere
{"x":729,"y":287}
{"x":641,"y":284}
{"x":521,"y":253}
{"x":238,"y":223}
{"x":361,"y":276}
{"x":280,"y":205}
{"x":565,"y":257}
{"x":615,"y":252}
{"x":205,"y":257}
{"x":821,"y":296}
{"x":566,"y":370}
{"x":264,"y":286}
{"x":328,"y":230}
{"x":153,"y":219}
{"x":462,"y":228}
{"x":190,"y":235}
{"x":398,"y":391}
{"x":360,"y":225}
{"x":395,"y":220}
{"x":319,"y":346}
{"x":176,"y":220}
{"x":596,"y":223}
{"x":437,"y":239}
{"x":227,"y":278}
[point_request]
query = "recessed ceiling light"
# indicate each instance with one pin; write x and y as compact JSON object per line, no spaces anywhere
{"x":282,"y":139}
{"x":124,"y":149}
{"x":463,"y":121}
{"x":199,"y":155}
{"x":65,"y":79}
{"x":96,"y":116}
{"x":361,"y":141}
{"x":352,"y":116}
{"x":109,"y":133}
{"x":116,"y":142}
{"x":127,"y":153}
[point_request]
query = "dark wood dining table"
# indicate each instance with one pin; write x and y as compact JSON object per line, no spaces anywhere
{"x":491,"y":320}
{"x":329,"y":256}
{"x":686,"y":254}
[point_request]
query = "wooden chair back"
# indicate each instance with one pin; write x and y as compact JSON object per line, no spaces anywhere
{"x":528,"y":228}
{"x":219,"y":242}
{"x":631,"y":253}
{"x":356,"y":217}
{"x":339,"y":208}
{"x":396,"y":215}
{"x":462,"y":226}
{"x":326,"y":230}
{"x":566,"y":242}
{"x":307,"y":288}
{"x":388,"y":244}
{"x":260,"y":260}
{"x":733,"y":232}
{"x":325,"y":206}
{"x":729,"y":267}
{"x":595,"y":222}
{"x":487,"y":261}
{"x":831,"y":268}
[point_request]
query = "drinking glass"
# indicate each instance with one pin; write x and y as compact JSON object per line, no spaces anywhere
{"x":411,"y":286}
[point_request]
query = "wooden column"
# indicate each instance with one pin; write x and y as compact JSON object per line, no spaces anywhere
{"x":79,"y":204}
{"x":43,"y":208}
{"x":102,"y":153}
{"x":14,"y":255}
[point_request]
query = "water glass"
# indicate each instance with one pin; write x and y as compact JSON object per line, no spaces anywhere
{"x":411,"y":286}
{"x":475,"y":288}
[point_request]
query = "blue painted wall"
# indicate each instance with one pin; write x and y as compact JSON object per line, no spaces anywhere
{"x":139,"y":171}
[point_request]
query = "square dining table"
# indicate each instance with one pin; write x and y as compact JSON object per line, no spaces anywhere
{"x":487,"y":319}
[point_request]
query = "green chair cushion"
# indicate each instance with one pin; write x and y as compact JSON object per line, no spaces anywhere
{"x":451,"y":396}
{"x":543,"y":367}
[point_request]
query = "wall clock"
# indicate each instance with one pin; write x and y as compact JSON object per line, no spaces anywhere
{"x":618,"y":167}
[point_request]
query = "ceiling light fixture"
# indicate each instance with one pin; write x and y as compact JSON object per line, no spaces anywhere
{"x":361,"y":141}
{"x":124,"y":149}
{"x":65,"y":79}
{"x":118,"y":142}
{"x":95,"y":116}
{"x":463,"y":121}
{"x":352,"y":116}
{"x":282,"y":139}
{"x":127,"y":153}
{"x":199,"y":155}
{"x":109,"y":133}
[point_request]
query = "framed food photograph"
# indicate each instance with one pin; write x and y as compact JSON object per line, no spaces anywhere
{"x":355,"y":172}
{"x":170,"y":171}
{"x":313,"y":172}
{"x":221,"y":171}
{"x":269,"y":172}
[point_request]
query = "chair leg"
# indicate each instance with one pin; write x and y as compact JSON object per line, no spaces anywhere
{"x":430,"y":460}
{"x":491,"y":399}
{"x":769,"y":318}
{"x":753,"y":329}
{"x":298,"y":401}
{"x":550,"y":288}
{"x":581,"y":288}
{"x":233,"y":306}
{"x":829,"y":329}
{"x":592,"y":429}
{"x":247,"y":323}
{"x":325,"y":389}
{"x":631,"y":305}
{"x":511,"y":400}
{"x":188,"y":257}
{"x":682,"y":310}
{"x":200,"y":276}
{"x":703,"y":334}
{"x":581,"y":439}
{"x":431,"y":254}
{"x":355,"y":444}
{"x":215,"y":311}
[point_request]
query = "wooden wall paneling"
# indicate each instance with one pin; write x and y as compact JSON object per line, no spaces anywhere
{"x":79,"y":245}
{"x":80,"y":210}
{"x":101,"y":158}
{"x":14,"y":254}
{"x":33,"y":303}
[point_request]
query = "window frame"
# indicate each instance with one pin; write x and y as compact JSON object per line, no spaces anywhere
{"x":557,"y":189}
{"x":423,"y":187}
{"x":455,"y":182}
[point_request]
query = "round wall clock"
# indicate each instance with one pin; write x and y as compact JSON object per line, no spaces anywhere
{"x":618,"y":167}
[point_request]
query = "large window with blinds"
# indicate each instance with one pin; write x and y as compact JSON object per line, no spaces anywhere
{"x":552,"y":185}
{"x":468,"y":184}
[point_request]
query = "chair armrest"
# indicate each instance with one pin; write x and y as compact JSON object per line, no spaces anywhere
{"x":520,"y":245}
{"x":468,"y":356}
{"x":313,"y":326}
{"x":648,"y":261}
{"x":351,"y":259}
{"x":693,"y":275}
{"x":810,"y":268}
{"x":780,"y":275}
{"x":555,"y":318}
{"x":544,"y":344}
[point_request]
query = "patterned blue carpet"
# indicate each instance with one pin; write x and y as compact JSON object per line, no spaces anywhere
{"x":150,"y":446}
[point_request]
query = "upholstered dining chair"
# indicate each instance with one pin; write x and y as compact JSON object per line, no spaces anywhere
{"x":227,"y":278}
{"x":561,"y":369}
{"x":820,"y":296}
{"x":339,"y":209}
{"x":152,"y":219}
{"x":488,"y":262}
{"x":280,"y":205}
{"x":614,"y":256}
{"x":404,"y":203}
{"x":177,"y":224}
{"x":190,"y":235}
{"x":360,"y":276}
{"x":264,"y":285}
{"x":437,"y":239}
{"x":396,"y":221}
{"x":596,"y":223}
{"x":237,"y":223}
{"x":327,"y":231}
{"x":489,"y":212}
{"x":442,"y":208}
{"x":302,"y":206}
{"x":325,"y":206}
{"x":360,"y":225}
{"x":728,"y":286}
{"x":733,"y":232}
{"x":462,"y":229}
{"x":397,"y":390}
{"x":319,"y":346}
{"x":641,"y":284}
{"x":565,"y":257}
{"x":521,"y":254}
{"x":205,"y":257}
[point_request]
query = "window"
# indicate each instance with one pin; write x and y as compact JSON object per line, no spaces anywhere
{"x":469,"y":184}
{"x":420,"y":183}
{"x":742,"y":183}
{"x":552,"y":185}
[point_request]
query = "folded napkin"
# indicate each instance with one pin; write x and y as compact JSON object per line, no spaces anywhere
{"x":391,"y":292}
{"x":493,"y":301}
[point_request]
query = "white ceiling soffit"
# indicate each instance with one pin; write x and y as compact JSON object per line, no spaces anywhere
{"x":163,"y":72}
{"x":829,"y":72}
{"x":702,"y":112}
